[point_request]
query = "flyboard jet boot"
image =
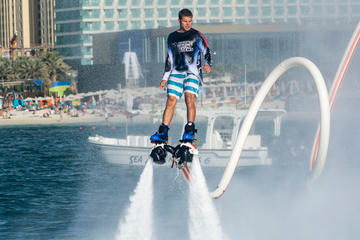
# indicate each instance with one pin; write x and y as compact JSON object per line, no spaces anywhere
{"x":160,"y":139}
{"x":189,"y":133}
{"x":186,"y":149}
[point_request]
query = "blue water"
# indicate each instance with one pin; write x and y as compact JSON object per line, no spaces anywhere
{"x":54,"y":185}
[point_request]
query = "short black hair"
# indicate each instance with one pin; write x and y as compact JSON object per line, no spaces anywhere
{"x":185,"y":13}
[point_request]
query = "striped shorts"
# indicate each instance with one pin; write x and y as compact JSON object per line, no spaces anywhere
{"x":182,"y":82}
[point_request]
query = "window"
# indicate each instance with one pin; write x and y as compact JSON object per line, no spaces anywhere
{"x":149,"y":12}
{"x":135,"y":2}
{"x":109,"y":25}
{"x":122,"y":25}
{"x":174,"y":2}
{"x":68,"y":15}
{"x":240,"y":11}
{"x":90,"y":13}
{"x":214,"y":2}
{"x":96,"y":26}
{"x":149,"y":24}
{"x":161,"y":2}
{"x":162,"y":12}
{"x":253,"y":11}
{"x":266,"y":11}
{"x":122,"y":2}
{"x":227,"y":11}
{"x":135,"y":13}
{"x":162,"y":23}
{"x":174,"y":23}
{"x":278,"y":1}
{"x":149,"y":2}
{"x":266,"y":1}
{"x":292,"y":10}
{"x":201,"y":12}
{"x":240,"y":1}
{"x":253,"y":1}
{"x":108,"y":2}
{"x":201,"y":2}
{"x":109,"y":13}
{"x":279,"y":11}
{"x":174,"y":12}
{"x":122,"y":13}
{"x":240,"y":21}
{"x":135,"y":25}
{"x":85,"y":50}
{"x":86,"y":38}
{"x":214,"y":12}
{"x":188,"y":2}
{"x":305,"y":10}
{"x":69,"y":39}
{"x":68,"y":27}
{"x":227,"y":1}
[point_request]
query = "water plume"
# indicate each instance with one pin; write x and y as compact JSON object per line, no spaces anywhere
{"x":204,"y":222}
{"x":137,"y":224}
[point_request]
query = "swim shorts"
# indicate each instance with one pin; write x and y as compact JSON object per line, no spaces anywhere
{"x":182,"y":82}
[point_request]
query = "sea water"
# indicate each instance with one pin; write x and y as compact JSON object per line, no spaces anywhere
{"x":55,"y":185}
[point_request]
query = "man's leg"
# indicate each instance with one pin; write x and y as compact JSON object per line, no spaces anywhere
{"x":190,"y":106}
{"x":162,"y":134}
{"x":189,"y":131}
{"x":169,"y":110}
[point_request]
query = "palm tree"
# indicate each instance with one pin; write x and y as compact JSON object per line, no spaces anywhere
{"x":21,"y":66}
{"x":55,"y":67}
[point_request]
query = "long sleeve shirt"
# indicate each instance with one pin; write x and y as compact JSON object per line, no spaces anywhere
{"x":184,"y":53}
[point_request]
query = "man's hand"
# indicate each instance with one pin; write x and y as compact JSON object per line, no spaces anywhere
{"x":162,"y":85}
{"x":206,"y":68}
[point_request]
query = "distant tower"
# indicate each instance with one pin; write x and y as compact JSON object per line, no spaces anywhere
{"x":133,"y":73}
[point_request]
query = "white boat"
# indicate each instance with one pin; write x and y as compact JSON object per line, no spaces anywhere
{"x":221,"y":133}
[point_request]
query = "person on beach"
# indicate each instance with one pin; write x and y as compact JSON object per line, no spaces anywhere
{"x":183,"y":74}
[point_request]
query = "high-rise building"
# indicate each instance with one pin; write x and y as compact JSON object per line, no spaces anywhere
{"x":77,"y":21}
{"x":31,"y":21}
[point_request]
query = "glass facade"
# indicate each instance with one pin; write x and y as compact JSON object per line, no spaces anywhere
{"x":78,"y":18}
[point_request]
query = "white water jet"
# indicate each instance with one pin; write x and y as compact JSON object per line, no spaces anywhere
{"x":204,"y":221}
{"x":137,"y":224}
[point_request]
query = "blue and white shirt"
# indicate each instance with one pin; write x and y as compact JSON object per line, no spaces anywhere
{"x":184,"y":53}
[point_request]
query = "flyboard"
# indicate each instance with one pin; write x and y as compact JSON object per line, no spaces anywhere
{"x":182,"y":155}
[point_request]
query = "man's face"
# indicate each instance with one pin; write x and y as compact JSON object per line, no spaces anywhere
{"x":185,"y":23}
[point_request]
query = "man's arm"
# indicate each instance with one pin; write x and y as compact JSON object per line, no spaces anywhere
{"x":204,"y":47}
{"x":169,"y":65}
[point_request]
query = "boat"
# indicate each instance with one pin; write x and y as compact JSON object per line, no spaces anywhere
{"x":221,"y":133}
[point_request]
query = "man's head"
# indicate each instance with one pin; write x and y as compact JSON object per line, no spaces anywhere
{"x":185,"y":19}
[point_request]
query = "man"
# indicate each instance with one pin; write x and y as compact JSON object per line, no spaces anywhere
{"x":183,"y":74}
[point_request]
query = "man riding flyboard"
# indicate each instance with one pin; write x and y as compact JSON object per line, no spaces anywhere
{"x":183,"y":74}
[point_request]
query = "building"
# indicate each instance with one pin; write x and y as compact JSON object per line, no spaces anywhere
{"x":260,"y":47}
{"x":78,"y":21}
{"x":32,"y":22}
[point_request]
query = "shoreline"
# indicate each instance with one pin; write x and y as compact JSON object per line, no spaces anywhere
{"x":56,"y":120}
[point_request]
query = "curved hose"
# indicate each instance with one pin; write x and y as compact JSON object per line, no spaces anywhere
{"x":340,"y":74}
{"x":254,"y":108}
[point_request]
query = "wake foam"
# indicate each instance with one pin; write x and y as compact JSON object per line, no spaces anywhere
{"x":137,"y":224}
{"x":204,"y":222}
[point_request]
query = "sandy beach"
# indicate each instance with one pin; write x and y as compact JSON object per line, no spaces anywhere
{"x":18,"y":118}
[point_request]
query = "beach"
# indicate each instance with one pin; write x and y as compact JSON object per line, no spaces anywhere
{"x":21,"y":118}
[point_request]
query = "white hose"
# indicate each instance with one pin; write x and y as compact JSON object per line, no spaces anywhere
{"x":339,"y":76}
{"x":254,"y":108}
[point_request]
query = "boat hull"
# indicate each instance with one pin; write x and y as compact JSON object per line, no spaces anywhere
{"x":137,"y":156}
